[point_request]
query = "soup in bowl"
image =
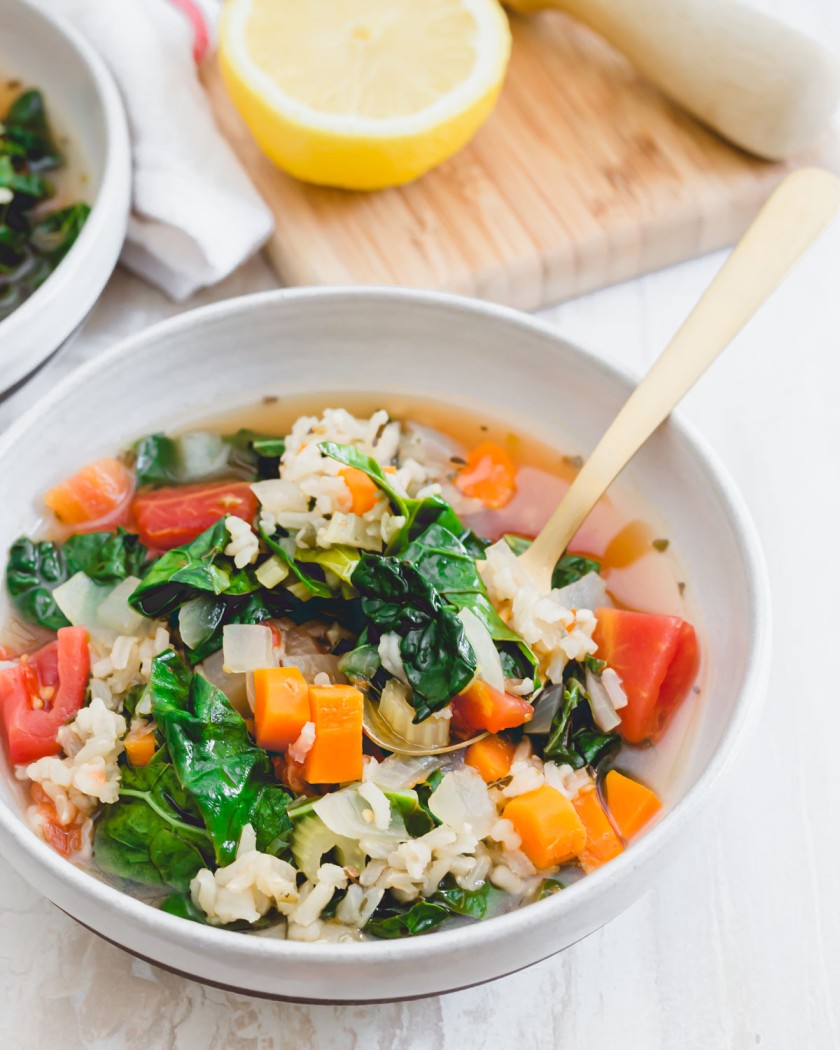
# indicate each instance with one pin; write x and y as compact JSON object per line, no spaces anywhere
{"x":276,"y":682}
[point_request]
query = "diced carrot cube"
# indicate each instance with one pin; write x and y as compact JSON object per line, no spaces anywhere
{"x":363,"y":491}
{"x":602,"y":843}
{"x":549,"y":826}
{"x":140,"y":748}
{"x":491,"y":757}
{"x":336,"y":755}
{"x":281,"y":706}
{"x":631,"y":805}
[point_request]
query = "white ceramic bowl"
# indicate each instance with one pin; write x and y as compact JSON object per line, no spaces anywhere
{"x":46,"y":52}
{"x":391,"y":341}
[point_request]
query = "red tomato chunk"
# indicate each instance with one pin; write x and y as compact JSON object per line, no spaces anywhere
{"x":171,"y":517}
{"x":42,"y":693}
{"x":656,"y":658}
{"x":481,"y":706}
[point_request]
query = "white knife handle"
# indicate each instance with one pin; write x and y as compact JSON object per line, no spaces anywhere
{"x":761,"y":84}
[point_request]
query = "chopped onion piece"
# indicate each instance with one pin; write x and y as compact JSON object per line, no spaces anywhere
{"x":612,"y":684}
{"x":401,"y":772}
{"x":79,"y":599}
{"x":202,"y":454}
{"x":603,"y":711}
{"x":300,"y":748}
{"x":461,"y":800}
{"x":344,"y":812}
{"x":232,"y":685}
{"x":115,"y":612}
{"x":589,"y":592}
{"x":314,"y":664}
{"x":247,"y":647}
{"x":399,"y":714}
{"x":197,"y":619}
{"x":545,"y":708}
{"x":489,"y":663}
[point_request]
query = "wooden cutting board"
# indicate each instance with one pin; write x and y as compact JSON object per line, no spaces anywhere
{"x":584,"y":176}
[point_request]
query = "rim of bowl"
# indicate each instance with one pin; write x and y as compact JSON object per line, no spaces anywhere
{"x":480,"y":934}
{"x":81,"y":275}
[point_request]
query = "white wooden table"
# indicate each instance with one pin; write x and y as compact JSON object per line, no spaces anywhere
{"x":738,"y":944}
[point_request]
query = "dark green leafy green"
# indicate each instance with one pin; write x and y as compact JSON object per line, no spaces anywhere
{"x":154,"y":833}
{"x":35,"y":569}
{"x":284,"y":547}
{"x":416,"y":817}
{"x":32,"y":243}
{"x":181,"y":904}
{"x":216,"y":761}
{"x":439,"y":661}
{"x":393,"y":919}
{"x":574,"y":738}
{"x":424,"y":790}
{"x":55,"y":234}
{"x":572,"y":567}
{"x":450,"y":568}
{"x":473,"y":903}
{"x":27,"y":125}
{"x":107,"y":557}
{"x":200,"y":567}
{"x":360,"y":664}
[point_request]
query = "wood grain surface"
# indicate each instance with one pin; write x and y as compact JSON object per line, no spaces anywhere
{"x":584,"y":176}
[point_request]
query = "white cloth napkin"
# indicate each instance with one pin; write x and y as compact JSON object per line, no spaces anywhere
{"x":195,"y":214}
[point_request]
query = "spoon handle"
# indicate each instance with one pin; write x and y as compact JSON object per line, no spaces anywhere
{"x":791,"y":220}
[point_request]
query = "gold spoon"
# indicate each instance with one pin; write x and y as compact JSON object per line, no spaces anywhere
{"x":788,"y":224}
{"x":381,"y":733}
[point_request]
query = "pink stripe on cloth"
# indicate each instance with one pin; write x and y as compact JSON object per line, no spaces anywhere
{"x":201,"y":33}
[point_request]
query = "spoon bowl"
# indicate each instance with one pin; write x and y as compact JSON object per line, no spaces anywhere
{"x":381,"y":733}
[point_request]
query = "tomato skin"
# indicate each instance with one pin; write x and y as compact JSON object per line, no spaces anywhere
{"x":62,"y":666}
{"x":171,"y":517}
{"x":482,"y":707}
{"x":656,"y":658}
{"x":66,"y":839}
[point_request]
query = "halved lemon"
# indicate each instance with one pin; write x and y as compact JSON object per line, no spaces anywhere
{"x":363,"y":93}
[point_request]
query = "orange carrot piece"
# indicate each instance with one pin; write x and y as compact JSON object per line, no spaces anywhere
{"x":363,"y":492}
{"x":491,"y":757}
{"x":281,"y":706}
{"x":140,"y":748}
{"x":336,"y":755}
{"x":602,"y":843}
{"x":631,"y":805}
{"x":98,"y":493}
{"x":549,"y":826}
{"x":490,"y":475}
